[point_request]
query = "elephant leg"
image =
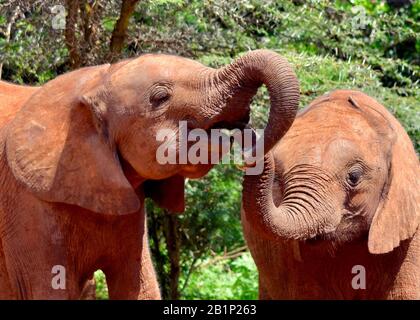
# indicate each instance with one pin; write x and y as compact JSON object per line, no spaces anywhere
{"x":262,"y":291}
{"x":132,"y":275}
{"x":149,"y":285}
{"x":89,"y":290}
{"x":36,"y":270}
{"x":6,"y":291}
{"x":133,"y":283}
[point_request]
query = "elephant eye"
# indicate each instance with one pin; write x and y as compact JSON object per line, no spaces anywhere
{"x":354,"y":176}
{"x":159,"y":95}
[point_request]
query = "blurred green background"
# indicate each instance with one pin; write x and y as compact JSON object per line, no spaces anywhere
{"x":371,"y":45}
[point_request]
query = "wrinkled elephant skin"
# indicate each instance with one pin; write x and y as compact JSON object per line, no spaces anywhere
{"x":78,"y":159}
{"x":335,"y":214}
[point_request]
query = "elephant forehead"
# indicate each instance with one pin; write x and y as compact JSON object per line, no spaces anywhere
{"x":338,"y":150}
{"x":331,"y":119}
{"x":154,"y":68}
{"x":328,"y":154}
{"x":327,"y":143}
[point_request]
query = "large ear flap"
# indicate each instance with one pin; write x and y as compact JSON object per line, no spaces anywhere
{"x":55,"y":150}
{"x":168,"y":193}
{"x":397,"y":217}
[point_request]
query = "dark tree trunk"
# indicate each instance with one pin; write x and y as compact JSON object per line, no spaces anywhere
{"x":171,"y":229}
{"x":83,"y":18}
{"x":155,"y":232}
{"x":120,"y":29}
{"x":90,"y":16}
{"x":164,"y":230}
{"x":86,"y":16}
{"x":70,"y":34}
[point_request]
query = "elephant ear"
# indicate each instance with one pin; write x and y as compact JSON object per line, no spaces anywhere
{"x":397,"y":217}
{"x":168,"y":193}
{"x":55,"y":150}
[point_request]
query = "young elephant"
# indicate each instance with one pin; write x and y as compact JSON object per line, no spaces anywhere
{"x":12,"y":99}
{"x":335,"y":214}
{"x":78,"y":159}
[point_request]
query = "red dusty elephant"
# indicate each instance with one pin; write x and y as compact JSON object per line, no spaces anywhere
{"x":335,"y":214}
{"x":78,"y":159}
{"x":12,"y":98}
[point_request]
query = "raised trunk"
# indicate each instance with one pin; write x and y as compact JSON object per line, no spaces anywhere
{"x":304,"y":211}
{"x":234,"y":86}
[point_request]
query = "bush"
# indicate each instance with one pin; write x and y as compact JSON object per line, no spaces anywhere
{"x":226,"y":279}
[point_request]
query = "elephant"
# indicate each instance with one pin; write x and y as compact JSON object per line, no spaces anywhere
{"x":12,"y":98}
{"x":79,"y":158}
{"x":335,"y":213}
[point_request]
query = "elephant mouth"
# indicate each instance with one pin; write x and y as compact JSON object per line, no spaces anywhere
{"x":321,"y":238}
{"x":343,"y":233}
{"x":213,"y":124}
{"x":242,"y":124}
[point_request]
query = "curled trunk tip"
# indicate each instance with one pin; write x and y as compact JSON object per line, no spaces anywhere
{"x":266,"y":67}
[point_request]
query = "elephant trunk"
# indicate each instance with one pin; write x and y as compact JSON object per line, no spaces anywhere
{"x":236,"y":84}
{"x":304,"y":211}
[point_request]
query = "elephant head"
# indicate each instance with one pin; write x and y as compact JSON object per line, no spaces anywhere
{"x":89,"y":137}
{"x":345,"y":169}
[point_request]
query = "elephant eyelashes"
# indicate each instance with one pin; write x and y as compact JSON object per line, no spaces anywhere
{"x":159,"y":96}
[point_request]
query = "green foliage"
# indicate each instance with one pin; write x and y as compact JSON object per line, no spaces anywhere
{"x":227,"y":279}
{"x":358,"y":44}
{"x":320,"y":74}
{"x":108,"y":23}
{"x":101,"y":287}
{"x":385,"y":39}
{"x":212,"y":213}
{"x":35,"y":52}
{"x":209,"y":225}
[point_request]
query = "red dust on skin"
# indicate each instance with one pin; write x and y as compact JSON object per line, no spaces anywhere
{"x":341,"y":189}
{"x":79,"y":158}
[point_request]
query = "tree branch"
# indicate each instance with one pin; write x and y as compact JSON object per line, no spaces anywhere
{"x":90,"y":13}
{"x":70,"y":33}
{"x":171,"y":233}
{"x":120,"y":29}
{"x":190,"y":271}
{"x":225,"y":256}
